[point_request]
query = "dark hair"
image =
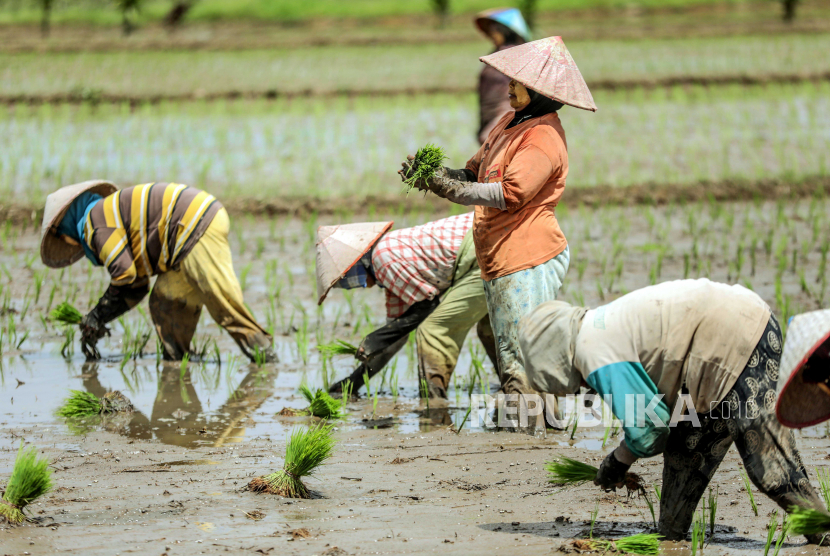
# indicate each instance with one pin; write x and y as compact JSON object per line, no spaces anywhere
{"x":510,"y":36}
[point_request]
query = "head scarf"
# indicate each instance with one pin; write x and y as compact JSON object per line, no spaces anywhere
{"x":356,"y":276}
{"x":538,"y":107}
{"x":72,"y":224}
{"x":547,"y":337}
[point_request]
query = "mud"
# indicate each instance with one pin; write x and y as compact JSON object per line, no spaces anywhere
{"x":171,"y":477}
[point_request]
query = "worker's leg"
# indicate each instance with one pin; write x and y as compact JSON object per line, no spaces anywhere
{"x":488,"y":340}
{"x":510,"y":298}
{"x":209,"y":268}
{"x":766,"y":446}
{"x":441,"y":336}
{"x":175,"y":306}
{"x":691,"y":457}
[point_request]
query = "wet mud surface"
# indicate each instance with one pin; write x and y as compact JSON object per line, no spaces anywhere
{"x":170,"y":477}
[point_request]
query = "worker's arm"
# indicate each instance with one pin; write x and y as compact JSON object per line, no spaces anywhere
{"x":116,"y":301}
{"x":631,"y":391}
{"x":459,"y":186}
{"x":396,"y":329}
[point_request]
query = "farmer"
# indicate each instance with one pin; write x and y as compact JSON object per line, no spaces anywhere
{"x":169,"y":229}
{"x":804,"y":380}
{"x":515,"y":181}
{"x":506,"y":28}
{"x":705,"y":347}
{"x":432,"y":284}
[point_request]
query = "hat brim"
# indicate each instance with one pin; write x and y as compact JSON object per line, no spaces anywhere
{"x":792,"y":408}
{"x":331,"y":283}
{"x":55,"y":252}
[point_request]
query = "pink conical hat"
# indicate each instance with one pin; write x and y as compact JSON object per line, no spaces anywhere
{"x":547,"y":67}
{"x":340,"y":247}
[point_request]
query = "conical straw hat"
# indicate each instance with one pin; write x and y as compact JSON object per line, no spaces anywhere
{"x":802,"y":404}
{"x":54,"y":252}
{"x":340,"y":247}
{"x":547,"y":67}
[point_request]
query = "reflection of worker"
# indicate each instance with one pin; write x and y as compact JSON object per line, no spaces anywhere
{"x":804,"y":380}
{"x":506,"y":28}
{"x":718,"y":345}
{"x":432,"y":283}
{"x":175,"y":231}
{"x":177,"y":417}
{"x":515,"y":181}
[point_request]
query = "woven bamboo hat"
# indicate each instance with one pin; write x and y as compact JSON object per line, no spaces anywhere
{"x":54,"y":252}
{"x":340,"y":247}
{"x":804,"y":377}
{"x":547,"y":67}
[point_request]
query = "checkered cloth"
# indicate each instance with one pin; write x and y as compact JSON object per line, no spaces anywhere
{"x":414,"y":264}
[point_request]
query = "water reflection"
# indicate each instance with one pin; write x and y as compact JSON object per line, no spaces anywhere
{"x":177,"y":416}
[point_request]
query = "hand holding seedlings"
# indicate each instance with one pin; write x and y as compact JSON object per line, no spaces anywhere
{"x":569,"y":471}
{"x":91,"y":332}
{"x":417,"y":171}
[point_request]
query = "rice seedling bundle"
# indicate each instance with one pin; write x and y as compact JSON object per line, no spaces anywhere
{"x":807,"y":521}
{"x":307,"y":449}
{"x":427,"y":161}
{"x":338,"y":347}
{"x":31,"y":478}
{"x":66,"y":314}
{"x":641,"y":543}
{"x":87,"y":404}
{"x":321,"y":404}
{"x":569,"y":471}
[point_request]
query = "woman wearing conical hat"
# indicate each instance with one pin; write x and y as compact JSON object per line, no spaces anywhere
{"x":515,"y":181}
{"x":167,"y":229}
{"x":506,"y":28}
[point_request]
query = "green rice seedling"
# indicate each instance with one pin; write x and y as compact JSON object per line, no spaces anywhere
{"x":748,"y":486}
{"x":569,"y":471}
{"x":31,"y":478}
{"x":807,"y":521}
{"x":824,"y":484}
{"x":464,"y":421}
{"x":68,"y":346}
{"x":321,"y":404}
{"x":786,"y":526}
{"x":771,"y":528}
{"x":87,"y":404}
{"x":657,"y":491}
{"x":713,"y":508}
{"x":650,"y":505}
{"x":424,"y":391}
{"x":183,"y":366}
{"x":347,"y":394}
{"x":394,"y":387}
{"x":307,"y":449}
{"x":427,"y":161}
{"x":66,"y":314}
{"x":696,"y":534}
{"x":338,"y":347}
{"x":594,"y":515}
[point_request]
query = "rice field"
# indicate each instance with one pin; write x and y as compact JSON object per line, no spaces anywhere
{"x":330,"y":148}
{"x":453,"y":66}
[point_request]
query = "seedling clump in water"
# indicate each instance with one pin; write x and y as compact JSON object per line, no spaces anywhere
{"x":86,"y":404}
{"x":427,"y":161}
{"x":307,"y":449}
{"x":642,"y":543}
{"x":804,"y":521}
{"x":31,"y":478}
{"x":321,"y":404}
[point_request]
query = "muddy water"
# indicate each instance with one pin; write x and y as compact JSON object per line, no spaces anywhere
{"x":167,"y":478}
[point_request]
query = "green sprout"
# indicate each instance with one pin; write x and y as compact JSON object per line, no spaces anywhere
{"x":321,"y":404}
{"x":66,"y":314}
{"x":31,"y":478}
{"x":748,"y":486}
{"x":338,"y":347}
{"x":427,"y":161}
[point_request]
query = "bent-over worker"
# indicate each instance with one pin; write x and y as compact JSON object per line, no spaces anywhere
{"x":718,"y":345}
{"x":432,"y":284}
{"x":167,"y":229}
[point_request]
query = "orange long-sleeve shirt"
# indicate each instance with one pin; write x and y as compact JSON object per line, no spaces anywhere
{"x":531,"y":162}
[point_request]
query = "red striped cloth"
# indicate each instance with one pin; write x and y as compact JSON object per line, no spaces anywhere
{"x":414,"y":264}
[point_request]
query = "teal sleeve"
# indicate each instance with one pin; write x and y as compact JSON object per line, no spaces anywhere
{"x":625,"y":382}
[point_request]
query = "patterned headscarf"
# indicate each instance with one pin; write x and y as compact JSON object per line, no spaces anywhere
{"x":355,"y":277}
